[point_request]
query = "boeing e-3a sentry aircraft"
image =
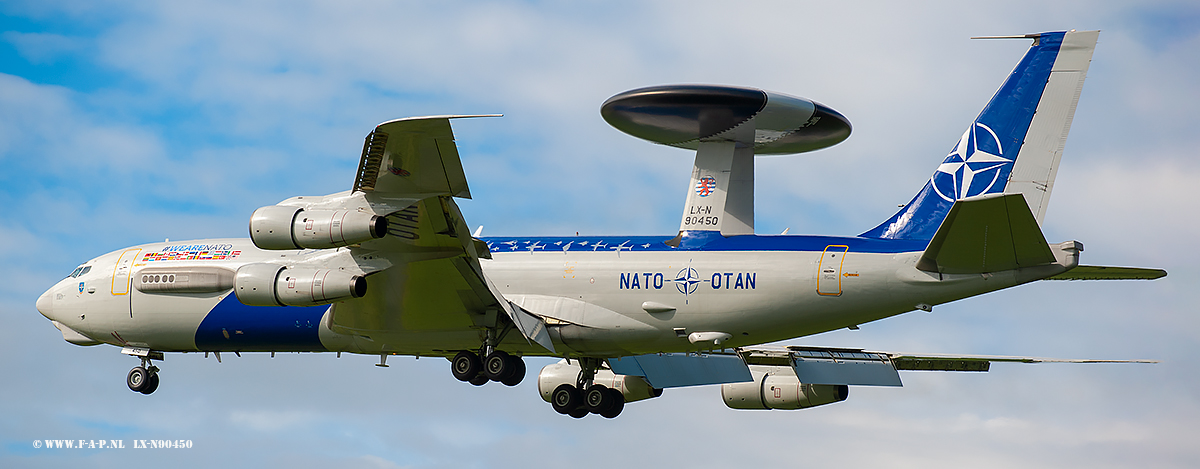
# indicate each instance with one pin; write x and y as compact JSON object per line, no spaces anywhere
{"x":390,"y":267}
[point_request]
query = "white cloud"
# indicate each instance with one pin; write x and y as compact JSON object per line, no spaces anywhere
{"x":1148,"y":200}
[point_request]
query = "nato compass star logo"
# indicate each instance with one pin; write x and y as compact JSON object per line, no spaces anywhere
{"x":974,"y":166}
{"x":687,"y":281}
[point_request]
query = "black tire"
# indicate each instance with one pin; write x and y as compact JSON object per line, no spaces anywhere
{"x":498,"y":365}
{"x":578,"y":413}
{"x":137,"y":379}
{"x":465,"y":366}
{"x":566,"y":399}
{"x":518,"y":372}
{"x":478,"y":380}
{"x":597,"y":399}
{"x":151,"y":384}
{"x":617,"y":406}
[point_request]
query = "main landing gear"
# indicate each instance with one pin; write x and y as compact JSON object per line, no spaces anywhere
{"x":495,"y":366}
{"x":144,"y":378}
{"x":586,"y":397}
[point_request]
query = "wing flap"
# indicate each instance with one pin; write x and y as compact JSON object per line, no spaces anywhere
{"x":674,"y":370}
{"x":817,"y":365}
{"x":532,"y":327}
{"x":941,"y":364}
{"x":947,"y":358}
{"x":828,"y":365}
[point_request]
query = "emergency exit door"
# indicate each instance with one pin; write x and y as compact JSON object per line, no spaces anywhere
{"x":120,"y":282}
{"x":829,"y":270}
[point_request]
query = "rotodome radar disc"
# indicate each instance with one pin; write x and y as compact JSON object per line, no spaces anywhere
{"x":685,"y":115}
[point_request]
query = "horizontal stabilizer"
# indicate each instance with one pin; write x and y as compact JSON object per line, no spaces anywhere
{"x":1095,"y":272}
{"x":989,"y":233}
{"x":674,"y":370}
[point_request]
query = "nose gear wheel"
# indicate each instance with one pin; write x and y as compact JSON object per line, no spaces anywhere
{"x":143,"y":378}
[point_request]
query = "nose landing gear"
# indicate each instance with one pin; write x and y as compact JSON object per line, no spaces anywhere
{"x":143,"y":378}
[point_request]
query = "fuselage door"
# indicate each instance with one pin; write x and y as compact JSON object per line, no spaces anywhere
{"x":829,"y":270}
{"x":120,"y":282}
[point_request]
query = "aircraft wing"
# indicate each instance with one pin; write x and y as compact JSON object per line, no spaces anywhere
{"x":812,"y":365}
{"x":410,"y":171}
{"x":948,"y":362}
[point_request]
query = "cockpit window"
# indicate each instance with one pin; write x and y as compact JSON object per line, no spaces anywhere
{"x":86,"y":269}
{"x":76,"y":272}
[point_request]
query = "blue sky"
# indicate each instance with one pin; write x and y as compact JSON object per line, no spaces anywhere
{"x":125,"y":123}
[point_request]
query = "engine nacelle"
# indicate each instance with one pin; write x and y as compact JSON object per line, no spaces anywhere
{"x":777,"y":387}
{"x":284,"y":227}
{"x":275,"y":285}
{"x":634,"y":388}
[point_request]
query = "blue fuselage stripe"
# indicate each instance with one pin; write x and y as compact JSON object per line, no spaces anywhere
{"x":700,"y":241}
{"x":232,"y":325}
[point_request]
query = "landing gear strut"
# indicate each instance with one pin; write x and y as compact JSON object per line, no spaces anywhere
{"x":587,"y":397}
{"x":144,"y":378}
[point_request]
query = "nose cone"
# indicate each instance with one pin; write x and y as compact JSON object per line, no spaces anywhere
{"x":45,"y":305}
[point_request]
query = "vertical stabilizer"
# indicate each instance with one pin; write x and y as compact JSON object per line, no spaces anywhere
{"x":1014,"y":145}
{"x":1037,"y":164}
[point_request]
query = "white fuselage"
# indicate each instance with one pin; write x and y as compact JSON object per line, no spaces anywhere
{"x":638,"y":301}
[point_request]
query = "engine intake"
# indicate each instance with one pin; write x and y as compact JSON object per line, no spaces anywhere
{"x":284,"y":227}
{"x":777,"y":387}
{"x":275,"y":285}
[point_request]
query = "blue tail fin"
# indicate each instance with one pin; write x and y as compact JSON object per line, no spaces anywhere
{"x":1014,"y":145}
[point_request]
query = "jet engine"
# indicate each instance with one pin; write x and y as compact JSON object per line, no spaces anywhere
{"x":777,"y":387}
{"x":284,"y":227}
{"x":276,"y":285}
{"x":634,"y":388}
